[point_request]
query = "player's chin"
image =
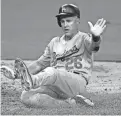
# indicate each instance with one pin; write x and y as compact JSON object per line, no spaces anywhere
{"x":67,"y":34}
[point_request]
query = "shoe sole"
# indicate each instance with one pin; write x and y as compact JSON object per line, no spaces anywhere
{"x":80,"y":98}
{"x":21,"y":67}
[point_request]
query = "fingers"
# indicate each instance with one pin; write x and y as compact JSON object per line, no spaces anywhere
{"x":98,"y":28}
{"x":90,"y":24}
{"x":101,"y":22}
{"x":98,"y":22}
{"x":104,"y":27}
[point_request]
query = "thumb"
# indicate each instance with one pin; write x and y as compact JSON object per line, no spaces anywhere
{"x":90,"y":24}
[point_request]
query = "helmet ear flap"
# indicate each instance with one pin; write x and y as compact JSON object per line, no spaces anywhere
{"x":58,"y":20}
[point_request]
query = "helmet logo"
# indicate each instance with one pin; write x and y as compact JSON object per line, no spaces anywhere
{"x":63,"y":9}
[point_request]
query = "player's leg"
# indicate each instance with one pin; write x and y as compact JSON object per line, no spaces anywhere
{"x":73,"y":85}
{"x":39,"y":96}
{"x":36,"y":98}
{"x":32,"y":99}
{"x":68,"y":83}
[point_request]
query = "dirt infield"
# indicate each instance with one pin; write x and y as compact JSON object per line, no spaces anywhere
{"x":104,"y":89}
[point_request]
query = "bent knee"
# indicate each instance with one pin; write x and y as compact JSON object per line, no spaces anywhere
{"x":24,"y":97}
{"x":30,"y":100}
{"x":27,"y":98}
{"x":36,"y":100}
{"x":50,"y":71}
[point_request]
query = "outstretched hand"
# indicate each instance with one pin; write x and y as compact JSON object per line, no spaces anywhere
{"x":98,"y":28}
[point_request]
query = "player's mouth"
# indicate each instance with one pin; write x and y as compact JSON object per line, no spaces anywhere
{"x":66,"y":30}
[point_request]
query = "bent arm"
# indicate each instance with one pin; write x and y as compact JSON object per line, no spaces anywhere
{"x":40,"y":64}
{"x":34,"y":68}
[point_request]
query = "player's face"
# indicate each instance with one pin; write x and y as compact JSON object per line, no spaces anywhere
{"x":70,"y":25}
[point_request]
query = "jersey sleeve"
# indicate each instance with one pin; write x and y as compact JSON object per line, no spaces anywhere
{"x":45,"y":59}
{"x":91,"y":45}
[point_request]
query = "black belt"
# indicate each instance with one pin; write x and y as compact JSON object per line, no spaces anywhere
{"x":76,"y":72}
{"x":82,"y":76}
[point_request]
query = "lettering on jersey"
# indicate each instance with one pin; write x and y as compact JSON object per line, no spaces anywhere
{"x":67,"y":53}
{"x":64,"y":56}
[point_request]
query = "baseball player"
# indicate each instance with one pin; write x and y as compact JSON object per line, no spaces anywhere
{"x":65,"y":68}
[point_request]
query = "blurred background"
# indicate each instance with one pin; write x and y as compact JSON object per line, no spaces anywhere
{"x":27,"y":26}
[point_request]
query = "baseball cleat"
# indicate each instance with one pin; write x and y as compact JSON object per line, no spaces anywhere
{"x":26,"y":80}
{"x":80,"y":98}
{"x":7,"y":72}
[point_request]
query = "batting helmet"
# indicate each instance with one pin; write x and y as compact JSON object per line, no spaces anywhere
{"x":67,"y":10}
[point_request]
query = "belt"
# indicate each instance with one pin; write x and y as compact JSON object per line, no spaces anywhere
{"x":82,"y":76}
{"x":76,"y":72}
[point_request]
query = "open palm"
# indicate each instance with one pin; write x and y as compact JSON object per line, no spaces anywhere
{"x":98,"y":28}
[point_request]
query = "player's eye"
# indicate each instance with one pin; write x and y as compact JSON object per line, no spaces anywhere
{"x":62,"y":21}
{"x":68,"y":20}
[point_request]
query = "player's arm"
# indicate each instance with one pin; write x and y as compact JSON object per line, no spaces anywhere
{"x":93,"y":40}
{"x":34,"y":67}
{"x":41,"y":63}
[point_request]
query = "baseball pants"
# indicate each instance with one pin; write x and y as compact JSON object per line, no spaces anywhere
{"x":65,"y":84}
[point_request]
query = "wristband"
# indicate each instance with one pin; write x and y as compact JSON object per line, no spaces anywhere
{"x":95,"y":38}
